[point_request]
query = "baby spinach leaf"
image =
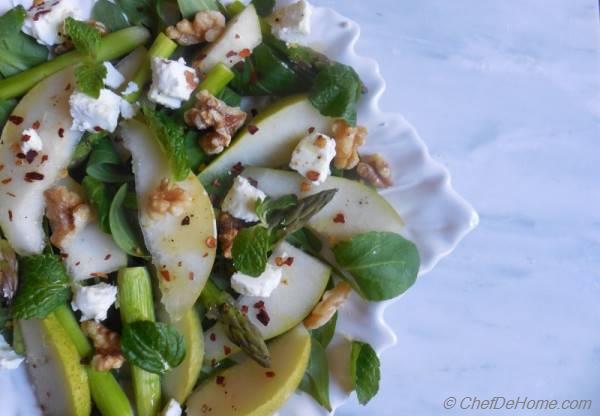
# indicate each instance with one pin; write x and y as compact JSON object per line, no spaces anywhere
{"x":250,"y":250}
{"x":325,"y":333}
{"x":383,"y":264}
{"x":85,"y":37}
{"x":171,"y":138}
{"x":44,"y":286}
{"x":189,"y":8}
{"x":195,"y":155}
{"x":306,"y":240}
{"x":100,"y":197}
{"x":109,"y":14}
{"x":85,"y":146}
{"x":229,"y":97}
{"x":316,"y":378}
{"x":167,"y":12}
{"x":18,"y":51}
{"x":152,"y":346}
{"x":264,"y":7}
{"x":139,"y":12}
{"x":364,"y":371}
{"x":124,"y":233}
{"x":105,"y":164}
{"x":90,"y":78}
{"x":336,"y":91}
{"x":267,"y":206}
{"x":6,"y":107}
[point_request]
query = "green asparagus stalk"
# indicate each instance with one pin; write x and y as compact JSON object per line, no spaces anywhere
{"x":238,"y":328}
{"x":163,"y":47}
{"x":216,"y":79}
{"x":112,"y":46}
{"x":297,"y":216}
{"x":135,"y":302}
{"x":71,"y":326}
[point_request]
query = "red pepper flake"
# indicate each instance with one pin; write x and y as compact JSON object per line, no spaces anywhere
{"x":263,"y":317}
{"x":108,"y":256}
{"x":270,"y":374}
{"x":191,"y":275}
{"x":11,"y":194}
{"x":35,"y":125}
{"x":230,"y":54}
{"x":68,"y":87}
{"x":252,"y":129}
{"x":205,"y":255}
{"x":244,"y":53}
{"x":78,"y":263}
{"x":339,"y":218}
{"x":213,"y":337}
{"x":313,"y":175}
{"x":61,"y":132}
{"x":211,"y":242}
{"x":7,"y":180}
{"x":30,"y":156}
{"x":165,"y":275}
{"x":99,"y":275}
{"x":33,"y":176}
{"x":216,"y":183}
{"x":226,"y":350}
{"x":10,"y":215}
{"x":179,"y":263}
{"x":237,"y":35}
{"x":244,"y":309}
{"x":259,"y":305}
{"x":64,"y":255}
{"x":44,"y":158}
{"x":311,"y":130}
{"x":185,"y":220}
{"x":237,"y":169}
{"x":16,"y":120}
{"x":98,"y":128}
{"x":287,"y":261}
{"x":220,"y":380}
{"x":25,"y":138}
{"x":213,"y":362}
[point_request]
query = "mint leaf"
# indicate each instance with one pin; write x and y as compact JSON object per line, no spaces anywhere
{"x":325,"y":333}
{"x":44,"y":286}
{"x":383,"y":264}
{"x":264,"y":7}
{"x":171,"y":137}
{"x":110,"y":15}
{"x":250,"y":250}
{"x":316,"y":378}
{"x":139,"y":12}
{"x":152,"y":346}
{"x":84,"y":36}
{"x":90,"y":78}
{"x":99,"y":196}
{"x":105,"y":164}
{"x":336,"y":91}
{"x":364,"y":371}
{"x":268,"y":206}
{"x":122,"y":228}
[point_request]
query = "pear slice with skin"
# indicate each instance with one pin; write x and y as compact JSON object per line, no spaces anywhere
{"x":182,"y":246}
{"x":247,"y":389}
{"x":22,"y":184}
{"x":61,"y":383}
{"x":301,"y":288}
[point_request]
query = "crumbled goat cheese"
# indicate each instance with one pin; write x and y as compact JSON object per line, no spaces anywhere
{"x":114,"y":79}
{"x":172,"y":82}
{"x":31,"y":140}
{"x":262,"y":285}
{"x":131,"y":88}
{"x":94,"y":114}
{"x":128,"y":110}
{"x":312,"y":156}
{"x":9,"y":359}
{"x":241,"y":200}
{"x":94,"y":301}
{"x":173,"y":408}
{"x":289,"y":23}
{"x":45,"y":21}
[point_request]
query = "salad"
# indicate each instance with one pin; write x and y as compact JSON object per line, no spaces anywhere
{"x":184,"y":207}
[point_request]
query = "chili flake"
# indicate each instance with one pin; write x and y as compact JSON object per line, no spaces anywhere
{"x":191,"y":275}
{"x":10,"y":215}
{"x":185,"y":220}
{"x":16,"y":120}
{"x":7,"y":180}
{"x":166,"y":275}
{"x":61,"y":132}
{"x":263,"y":317}
{"x":226,"y":350}
{"x":33,"y":176}
{"x":221,"y":380}
{"x":339,"y":218}
{"x":244,"y":309}
{"x":313,"y":175}
{"x":259,"y":305}
{"x":244,"y":53}
{"x":211,"y":242}
{"x":230,"y":54}
{"x":108,"y":256}
{"x":35,"y":125}
{"x":252,"y":129}
{"x":270,"y":374}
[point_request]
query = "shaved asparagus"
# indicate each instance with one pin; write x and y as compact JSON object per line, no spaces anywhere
{"x":135,"y":302}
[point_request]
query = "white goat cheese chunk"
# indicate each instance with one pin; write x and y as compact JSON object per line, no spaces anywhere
{"x":289,"y":23}
{"x":94,"y":301}
{"x":262,"y":285}
{"x":9,"y":359}
{"x":312,"y":157}
{"x":172,"y":82}
{"x":173,"y":408}
{"x":94,"y":114}
{"x":31,"y":140}
{"x":114,"y":79}
{"x":130,"y":88}
{"x":241,"y":200}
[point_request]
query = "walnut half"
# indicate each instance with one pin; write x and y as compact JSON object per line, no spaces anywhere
{"x":375,"y":170}
{"x":168,"y":197}
{"x":67,"y":213}
{"x":107,"y":346}
{"x":332,"y":300}
{"x":228,"y":230}
{"x":207,"y":26}
{"x":347,"y":141}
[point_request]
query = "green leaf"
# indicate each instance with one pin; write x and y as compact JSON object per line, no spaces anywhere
{"x":189,"y":8}
{"x":139,"y":12}
{"x":364,"y":371}
{"x":18,"y":51}
{"x":152,"y":346}
{"x":85,"y":146}
{"x":264,"y":7}
{"x":229,"y":97}
{"x":90,"y":78}
{"x":325,"y":333}
{"x":5,"y":320}
{"x":167,"y":12}
{"x":316,"y":378}
{"x":171,"y":137}
{"x":383,"y":264}
{"x":85,"y":37}
{"x":44,"y":286}
{"x":196,"y":156}
{"x":250,"y":250}
{"x":305,"y":240}
{"x":105,"y":163}
{"x":6,"y":107}
{"x":336,"y":92}
{"x":110,"y":15}
{"x":100,"y":197}
{"x":268,"y":206}
{"x":124,"y":233}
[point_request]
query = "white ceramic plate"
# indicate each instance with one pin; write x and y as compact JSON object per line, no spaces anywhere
{"x":436,"y":219}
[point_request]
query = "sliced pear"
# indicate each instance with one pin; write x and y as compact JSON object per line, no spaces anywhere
{"x":240,"y":37}
{"x":90,"y":251}
{"x":179,"y":382}
{"x":280,"y":127}
{"x":182,"y":246}
{"x":61,"y":383}
{"x":247,"y":389}
{"x":301,"y":287}
{"x":362,"y":208}
{"x":22,"y":184}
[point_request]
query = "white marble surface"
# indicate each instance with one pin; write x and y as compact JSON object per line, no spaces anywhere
{"x":506,"y":95}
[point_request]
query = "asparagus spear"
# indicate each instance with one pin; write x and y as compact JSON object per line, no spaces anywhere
{"x":112,"y":46}
{"x":135,"y":301}
{"x":237,"y":326}
{"x":216,"y":79}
